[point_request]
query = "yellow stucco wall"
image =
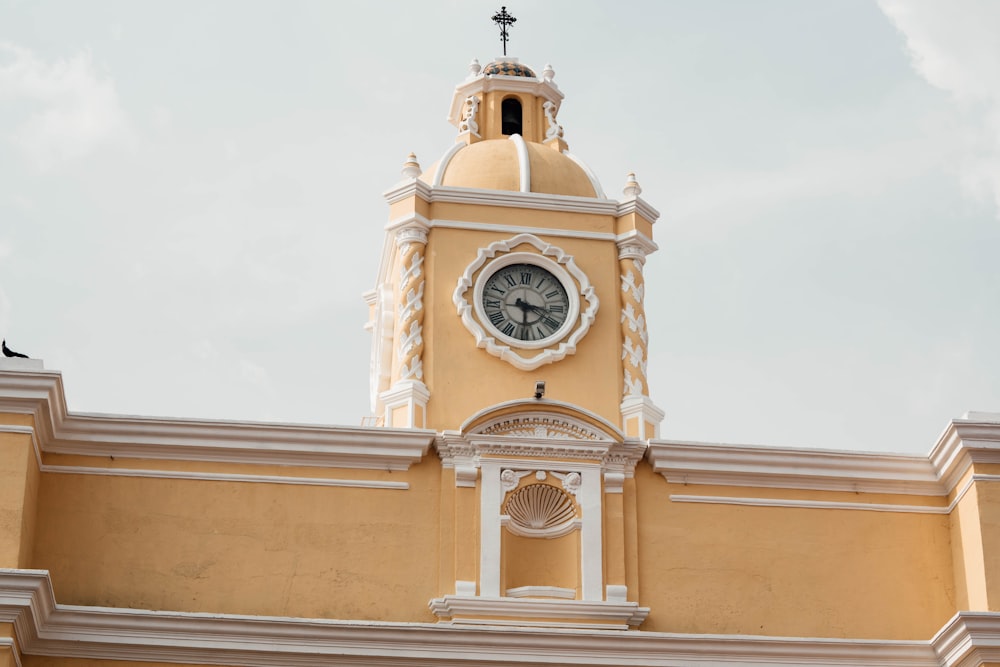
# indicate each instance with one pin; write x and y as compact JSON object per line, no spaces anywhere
{"x":540,"y":562}
{"x":988,"y":496}
{"x":19,"y":478}
{"x":967,"y":553}
{"x":247,"y":548}
{"x":711,"y":568}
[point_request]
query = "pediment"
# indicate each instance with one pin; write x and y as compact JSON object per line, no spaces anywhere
{"x":541,"y":420}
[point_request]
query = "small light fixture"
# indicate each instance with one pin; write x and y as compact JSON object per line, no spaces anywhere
{"x":539,"y":388}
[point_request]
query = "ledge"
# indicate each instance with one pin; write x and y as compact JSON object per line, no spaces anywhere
{"x":43,"y":627}
{"x":59,"y":431}
{"x":745,"y":465}
{"x":973,"y":439}
{"x":509,"y":198}
{"x":463,"y":610}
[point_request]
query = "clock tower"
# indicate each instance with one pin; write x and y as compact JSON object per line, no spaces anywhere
{"x":506,"y":265}
{"x":508,"y":318}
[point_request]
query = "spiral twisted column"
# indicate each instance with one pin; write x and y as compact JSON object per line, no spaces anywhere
{"x":640,"y":417}
{"x":410,"y":323}
{"x":405,"y":402}
{"x":635,"y":338}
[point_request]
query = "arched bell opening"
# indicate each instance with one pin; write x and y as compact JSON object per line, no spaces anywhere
{"x":511,"y":116}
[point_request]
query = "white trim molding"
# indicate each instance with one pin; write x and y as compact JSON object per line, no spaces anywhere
{"x":973,"y":439}
{"x":41,"y":395}
{"x":772,"y":467}
{"x":551,"y":613}
{"x":583,"y":300}
{"x":508,"y":198}
{"x":519,"y":229}
{"x":43,"y":627}
{"x":969,"y":639}
{"x":637,"y":205}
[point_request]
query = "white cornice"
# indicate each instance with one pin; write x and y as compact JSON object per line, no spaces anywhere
{"x":812,"y":504}
{"x":745,"y":465}
{"x":969,"y":639}
{"x":59,"y":431}
{"x":508,"y":198}
{"x":640,"y":206}
{"x":520,"y":229}
{"x":46,"y":628}
{"x":453,"y":446}
{"x":638,"y":239}
{"x":412,"y":187}
{"x":973,"y":439}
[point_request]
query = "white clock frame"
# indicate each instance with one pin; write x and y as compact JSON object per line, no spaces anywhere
{"x":582,"y":297}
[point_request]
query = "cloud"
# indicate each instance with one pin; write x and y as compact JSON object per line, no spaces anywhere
{"x":848,"y":170}
{"x":953,"y":46}
{"x":75,"y":108}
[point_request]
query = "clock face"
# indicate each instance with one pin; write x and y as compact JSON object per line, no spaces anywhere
{"x":525,"y":302}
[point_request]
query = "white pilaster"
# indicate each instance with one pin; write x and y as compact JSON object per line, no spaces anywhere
{"x":591,"y":542}
{"x":489,"y":529}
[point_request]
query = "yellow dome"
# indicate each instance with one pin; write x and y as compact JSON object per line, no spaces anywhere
{"x":503,"y":164}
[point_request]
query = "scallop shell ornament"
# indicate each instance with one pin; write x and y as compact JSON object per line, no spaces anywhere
{"x":540,"y":510}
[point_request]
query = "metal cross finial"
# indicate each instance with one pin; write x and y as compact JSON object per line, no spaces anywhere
{"x":504,"y":20}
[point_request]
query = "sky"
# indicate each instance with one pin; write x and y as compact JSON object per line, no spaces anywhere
{"x":191,"y":198}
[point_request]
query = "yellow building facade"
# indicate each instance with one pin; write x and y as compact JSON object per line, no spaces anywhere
{"x":513,"y":502}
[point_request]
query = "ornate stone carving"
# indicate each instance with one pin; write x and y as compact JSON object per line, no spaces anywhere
{"x":633,"y":321}
{"x":555,"y":130}
{"x":540,"y":510}
{"x":537,"y":426}
{"x":571,"y":481}
{"x":411,"y":309}
{"x":469,"y":123}
{"x":509,"y":479}
{"x":583,"y":300}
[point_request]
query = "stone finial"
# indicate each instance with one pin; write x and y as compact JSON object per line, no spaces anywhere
{"x":632,"y":188}
{"x":411,"y":168}
{"x":548,"y":73}
{"x":474,"y":68}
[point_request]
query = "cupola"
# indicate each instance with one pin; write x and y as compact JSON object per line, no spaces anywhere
{"x":509,"y":137}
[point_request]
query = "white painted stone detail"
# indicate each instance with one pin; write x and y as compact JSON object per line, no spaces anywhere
{"x":616,"y":593}
{"x":469,"y":124}
{"x":540,"y":427}
{"x":540,"y":510}
{"x":555,"y":130}
{"x":509,"y":479}
{"x":583,"y":300}
{"x":570,"y":481}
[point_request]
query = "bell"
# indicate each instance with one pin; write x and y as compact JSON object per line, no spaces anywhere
{"x":510,"y":116}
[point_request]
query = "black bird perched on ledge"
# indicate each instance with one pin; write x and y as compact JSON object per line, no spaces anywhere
{"x":7,"y":352}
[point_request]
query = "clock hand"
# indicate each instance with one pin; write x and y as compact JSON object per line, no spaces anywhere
{"x":523,"y":305}
{"x":538,"y":308}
